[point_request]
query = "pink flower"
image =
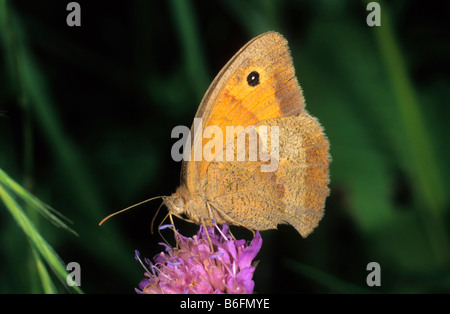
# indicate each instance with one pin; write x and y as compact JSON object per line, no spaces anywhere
{"x":193,"y":267}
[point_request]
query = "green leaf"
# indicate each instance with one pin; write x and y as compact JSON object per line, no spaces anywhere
{"x":327,"y":280}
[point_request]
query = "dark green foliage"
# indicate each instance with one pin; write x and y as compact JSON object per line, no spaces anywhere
{"x":86,"y":114}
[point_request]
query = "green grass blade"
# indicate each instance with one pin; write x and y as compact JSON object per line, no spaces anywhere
{"x":190,"y":44}
{"x":38,"y":242}
{"x":46,"y":282}
{"x":418,"y":152}
{"x":34,"y":202}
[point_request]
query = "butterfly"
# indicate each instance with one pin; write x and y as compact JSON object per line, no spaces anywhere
{"x":257,"y":88}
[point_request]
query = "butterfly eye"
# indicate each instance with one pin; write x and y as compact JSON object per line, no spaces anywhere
{"x":253,"y":79}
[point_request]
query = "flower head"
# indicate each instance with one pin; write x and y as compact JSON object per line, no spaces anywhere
{"x":202,"y":264}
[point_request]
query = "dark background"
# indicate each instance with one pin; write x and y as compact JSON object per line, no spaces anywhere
{"x":86,"y":114}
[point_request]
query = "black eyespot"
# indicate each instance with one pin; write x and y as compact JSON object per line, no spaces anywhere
{"x":253,"y":79}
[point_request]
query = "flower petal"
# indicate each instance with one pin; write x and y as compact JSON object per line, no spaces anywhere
{"x":192,"y":267}
{"x":250,"y":252}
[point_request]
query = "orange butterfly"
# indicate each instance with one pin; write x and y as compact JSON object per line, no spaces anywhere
{"x":257,"y":87}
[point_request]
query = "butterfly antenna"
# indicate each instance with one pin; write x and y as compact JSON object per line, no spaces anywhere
{"x":121,"y":211}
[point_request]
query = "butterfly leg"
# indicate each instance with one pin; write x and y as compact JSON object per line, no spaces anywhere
{"x":207,"y":234}
{"x":174,"y":229}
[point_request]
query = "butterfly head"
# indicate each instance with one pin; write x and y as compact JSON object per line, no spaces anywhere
{"x":176,"y":205}
{"x":186,"y":206}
